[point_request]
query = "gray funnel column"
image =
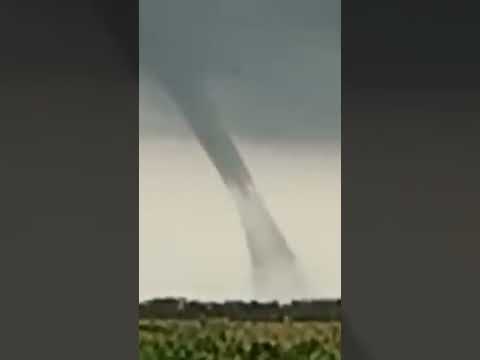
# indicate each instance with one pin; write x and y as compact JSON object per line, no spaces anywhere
{"x":274,"y":269}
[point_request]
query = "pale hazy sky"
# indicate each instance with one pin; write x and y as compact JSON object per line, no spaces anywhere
{"x":283,"y":108}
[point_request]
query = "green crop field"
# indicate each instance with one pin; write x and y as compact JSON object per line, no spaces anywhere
{"x":218,"y":339}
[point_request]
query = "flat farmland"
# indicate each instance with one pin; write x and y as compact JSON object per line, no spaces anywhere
{"x":223,"y":338}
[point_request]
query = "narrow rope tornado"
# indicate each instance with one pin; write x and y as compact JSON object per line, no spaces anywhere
{"x":275,"y":272}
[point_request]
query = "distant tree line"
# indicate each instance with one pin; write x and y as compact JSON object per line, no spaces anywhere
{"x":308,"y":310}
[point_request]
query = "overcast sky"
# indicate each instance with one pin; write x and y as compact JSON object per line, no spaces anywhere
{"x":274,"y":73}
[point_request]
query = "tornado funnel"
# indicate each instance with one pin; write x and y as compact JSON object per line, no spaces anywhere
{"x":275,"y":272}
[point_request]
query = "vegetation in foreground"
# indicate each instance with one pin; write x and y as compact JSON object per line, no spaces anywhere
{"x":219,"y":339}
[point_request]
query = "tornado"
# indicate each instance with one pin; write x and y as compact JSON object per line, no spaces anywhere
{"x":275,"y":272}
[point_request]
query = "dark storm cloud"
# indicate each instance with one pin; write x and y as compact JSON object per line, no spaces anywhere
{"x":272,"y":67}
